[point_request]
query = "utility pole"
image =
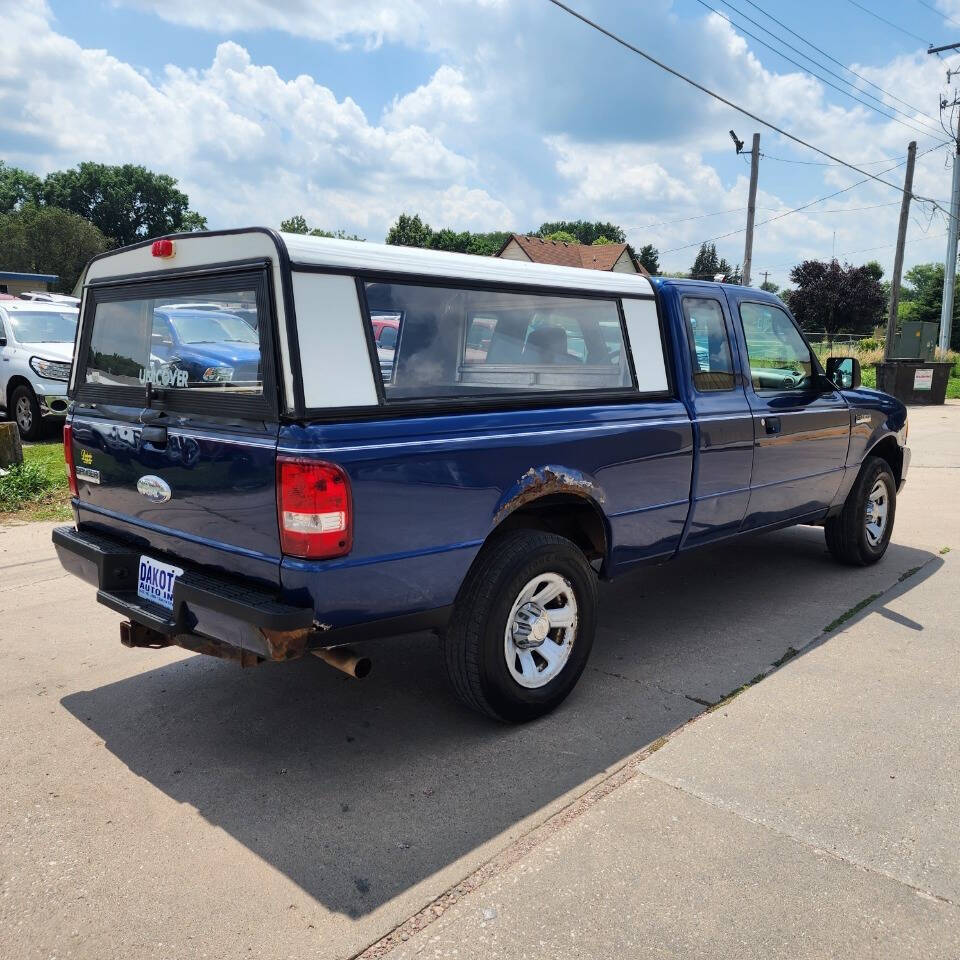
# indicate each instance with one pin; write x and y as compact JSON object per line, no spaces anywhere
{"x":950,"y":262}
{"x":766,"y":276}
{"x":898,"y":259}
{"x":751,"y":209}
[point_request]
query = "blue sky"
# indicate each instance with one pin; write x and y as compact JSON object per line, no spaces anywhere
{"x":487,"y":114}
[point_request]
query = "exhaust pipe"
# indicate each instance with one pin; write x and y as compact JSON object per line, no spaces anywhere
{"x":347,"y":660}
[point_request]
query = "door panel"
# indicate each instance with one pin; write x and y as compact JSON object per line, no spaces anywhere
{"x":801,"y":427}
{"x":722,"y":416}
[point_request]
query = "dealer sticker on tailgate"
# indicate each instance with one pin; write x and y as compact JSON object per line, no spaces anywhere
{"x":155,"y":581}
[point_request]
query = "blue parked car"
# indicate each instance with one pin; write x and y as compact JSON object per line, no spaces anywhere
{"x":539,"y":428}
{"x":209,"y":346}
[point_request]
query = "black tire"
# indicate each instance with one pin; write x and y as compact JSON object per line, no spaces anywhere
{"x":25,"y":412}
{"x":474,"y":645}
{"x":846,"y":533}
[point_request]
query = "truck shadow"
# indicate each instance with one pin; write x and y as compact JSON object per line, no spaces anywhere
{"x":358,"y":791}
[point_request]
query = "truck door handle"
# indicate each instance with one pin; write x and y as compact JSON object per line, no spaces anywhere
{"x":770,"y":424}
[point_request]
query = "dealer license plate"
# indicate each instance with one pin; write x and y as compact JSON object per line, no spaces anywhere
{"x":155,"y":581}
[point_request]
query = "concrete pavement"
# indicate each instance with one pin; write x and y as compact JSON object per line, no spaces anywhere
{"x":159,"y":804}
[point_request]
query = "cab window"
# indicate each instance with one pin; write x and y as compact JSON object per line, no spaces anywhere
{"x":779,"y":357}
{"x":710,"y":357}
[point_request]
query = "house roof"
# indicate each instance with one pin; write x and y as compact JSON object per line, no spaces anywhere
{"x":600,"y":257}
{"x":27,"y":277}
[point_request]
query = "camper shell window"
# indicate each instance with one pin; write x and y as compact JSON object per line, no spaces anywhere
{"x":194,"y":343}
{"x":455,"y":342}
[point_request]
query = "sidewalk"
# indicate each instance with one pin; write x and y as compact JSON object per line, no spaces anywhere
{"x":817,"y":814}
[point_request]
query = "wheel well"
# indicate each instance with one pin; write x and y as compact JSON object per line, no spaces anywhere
{"x":12,"y":385}
{"x":566,"y":515}
{"x":888,"y":449}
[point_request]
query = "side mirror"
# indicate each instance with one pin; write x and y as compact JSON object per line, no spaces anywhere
{"x":844,"y":372}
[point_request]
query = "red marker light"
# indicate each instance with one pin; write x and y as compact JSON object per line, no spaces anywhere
{"x":162,"y":248}
{"x":68,"y":459}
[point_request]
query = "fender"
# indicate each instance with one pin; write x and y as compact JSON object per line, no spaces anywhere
{"x":544,"y":481}
{"x":875,"y":417}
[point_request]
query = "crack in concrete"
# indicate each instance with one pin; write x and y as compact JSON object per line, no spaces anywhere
{"x":647,"y":683}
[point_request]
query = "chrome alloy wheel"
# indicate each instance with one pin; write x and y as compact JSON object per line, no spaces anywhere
{"x":541,"y":630}
{"x":875,"y":516}
{"x":24,"y":414}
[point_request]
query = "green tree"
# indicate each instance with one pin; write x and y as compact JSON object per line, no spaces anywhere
{"x":561,"y":236}
{"x":583,"y":232}
{"x":18,"y":187}
{"x":649,"y":256}
{"x":486,"y":244}
{"x":921,"y":298}
{"x":295,"y":224}
{"x":49,"y":240}
{"x":600,"y":241}
{"x":410,"y":231}
{"x":298,"y":224}
{"x":126,"y":203}
{"x":836,"y":299}
{"x":708,"y":264}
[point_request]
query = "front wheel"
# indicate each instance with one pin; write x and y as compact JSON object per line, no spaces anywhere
{"x":860,"y":534}
{"x":522,"y":627}
{"x":26,"y":412}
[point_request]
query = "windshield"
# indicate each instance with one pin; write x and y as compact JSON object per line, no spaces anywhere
{"x":47,"y":326}
{"x":211,"y":328}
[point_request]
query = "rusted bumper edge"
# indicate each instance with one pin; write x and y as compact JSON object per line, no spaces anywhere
{"x":230,"y":619}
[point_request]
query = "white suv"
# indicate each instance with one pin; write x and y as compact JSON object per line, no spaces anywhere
{"x":36,"y":350}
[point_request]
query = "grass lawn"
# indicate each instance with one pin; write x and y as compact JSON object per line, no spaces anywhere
{"x":37,"y":488}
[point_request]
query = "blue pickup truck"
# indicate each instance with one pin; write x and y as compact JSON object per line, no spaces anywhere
{"x":538,"y":428}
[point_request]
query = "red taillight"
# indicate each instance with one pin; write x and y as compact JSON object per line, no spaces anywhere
{"x":68,"y":458}
{"x":162,"y":248}
{"x":314,"y":508}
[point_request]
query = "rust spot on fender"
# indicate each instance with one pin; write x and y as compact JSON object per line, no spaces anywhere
{"x":540,"y":482}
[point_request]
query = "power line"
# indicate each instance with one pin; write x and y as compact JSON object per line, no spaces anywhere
{"x":926,"y":131}
{"x":825,"y":163}
{"x":889,"y":23}
{"x":850,"y":253}
{"x":833,"y":59}
{"x":701,"y":216}
{"x":873,"y":206}
{"x":939,"y":13}
{"x":704,"y":216}
{"x":780,"y":216}
{"x":716,"y":96}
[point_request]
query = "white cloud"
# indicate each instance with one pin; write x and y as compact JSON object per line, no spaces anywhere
{"x":530,"y":116}
{"x":446,"y":100}
{"x":334,"y":21}
{"x":245,"y":144}
{"x":341,"y":22}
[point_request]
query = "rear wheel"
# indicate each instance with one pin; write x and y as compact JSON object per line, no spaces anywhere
{"x":26,"y":412}
{"x":860,"y":533}
{"x":523,"y":626}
